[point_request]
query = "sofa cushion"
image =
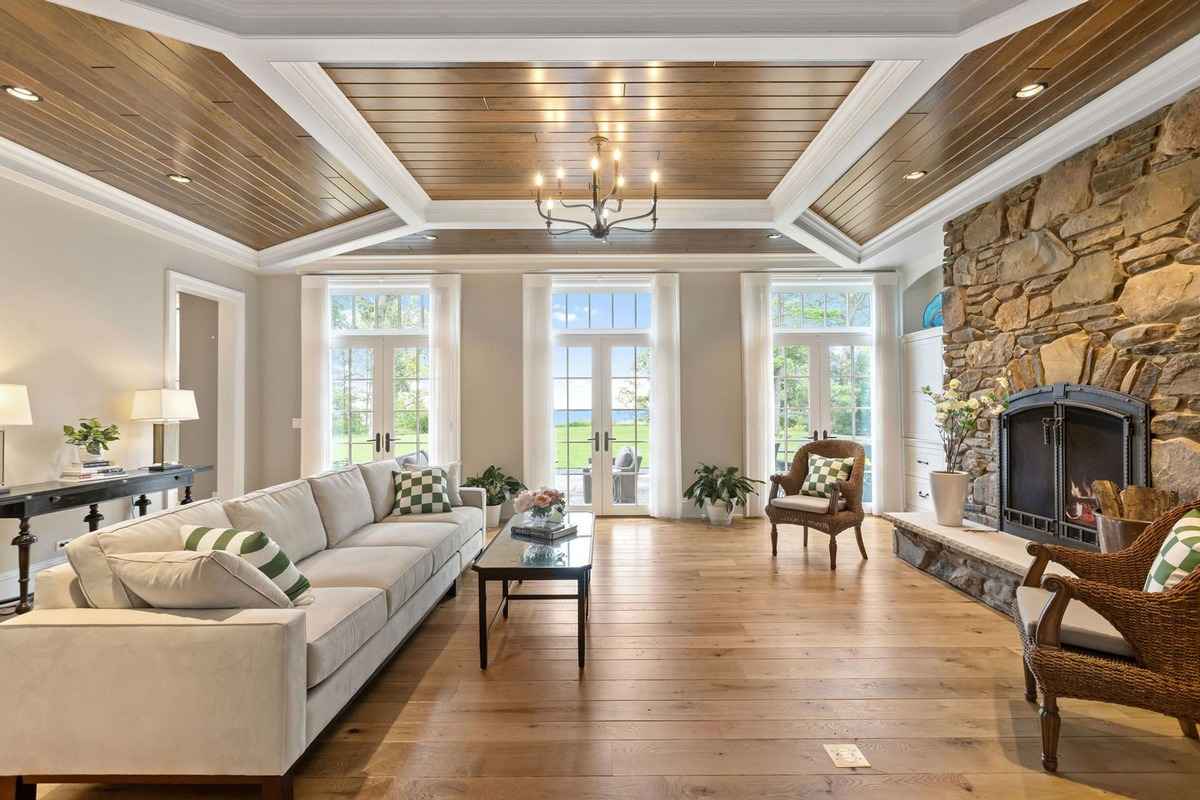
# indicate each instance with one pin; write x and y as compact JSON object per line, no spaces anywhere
{"x":187,"y":579}
{"x":441,"y":538}
{"x":399,"y":571}
{"x":800,"y":502}
{"x":337,"y":623}
{"x":422,"y":491}
{"x":287,"y":513}
{"x":1081,"y":626}
{"x":256,"y":549}
{"x":343,"y":501}
{"x":155,"y":533}
{"x":469,"y":520}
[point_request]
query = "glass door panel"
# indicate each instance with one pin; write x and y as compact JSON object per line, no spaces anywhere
{"x":353,"y":379}
{"x":628,"y":437}
{"x":411,"y":393}
{"x":574,"y":437}
{"x":793,"y":401}
{"x":849,"y":392}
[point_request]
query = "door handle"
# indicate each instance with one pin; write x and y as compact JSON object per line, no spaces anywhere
{"x":607,"y":437}
{"x":387,"y":442}
{"x":814,"y":434}
{"x":824,"y":434}
{"x":378,"y":441}
{"x":596,"y":441}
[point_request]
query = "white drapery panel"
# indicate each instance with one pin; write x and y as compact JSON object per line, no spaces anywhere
{"x":314,"y":374}
{"x":758,"y":384}
{"x":445,"y":331}
{"x":666,"y":478}
{"x":538,"y":385}
{"x":886,"y":394}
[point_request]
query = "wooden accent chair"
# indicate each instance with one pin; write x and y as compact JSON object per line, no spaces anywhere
{"x":1100,"y":637}
{"x":842,"y":511}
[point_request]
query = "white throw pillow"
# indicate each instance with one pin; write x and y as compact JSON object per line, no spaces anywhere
{"x":185,"y":579}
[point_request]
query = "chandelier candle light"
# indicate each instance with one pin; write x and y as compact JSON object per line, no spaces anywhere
{"x":602,"y":205}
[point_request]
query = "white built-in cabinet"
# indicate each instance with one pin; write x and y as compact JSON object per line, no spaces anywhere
{"x":921,"y":365}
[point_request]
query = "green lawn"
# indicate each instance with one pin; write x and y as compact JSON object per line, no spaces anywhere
{"x":573,"y":443}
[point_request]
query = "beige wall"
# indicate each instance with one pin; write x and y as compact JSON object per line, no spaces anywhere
{"x":198,"y":361}
{"x":279,"y":333}
{"x":917,"y":295}
{"x":83,"y":322}
{"x":491,"y":372}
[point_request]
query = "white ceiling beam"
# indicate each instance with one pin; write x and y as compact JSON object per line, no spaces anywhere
{"x":817,"y":244}
{"x":525,"y":262}
{"x":521,"y":214}
{"x":381,"y":226}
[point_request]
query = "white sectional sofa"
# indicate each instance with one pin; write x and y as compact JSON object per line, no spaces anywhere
{"x":96,"y":684}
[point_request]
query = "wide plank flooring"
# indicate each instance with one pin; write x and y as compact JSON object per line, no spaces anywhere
{"x":715,"y":671}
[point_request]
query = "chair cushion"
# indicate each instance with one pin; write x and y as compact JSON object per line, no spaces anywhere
{"x":469,"y":520}
{"x":441,"y":538}
{"x":800,"y":502}
{"x":1081,"y":626}
{"x":398,"y":571}
{"x":823,"y":473}
{"x":337,"y":623}
{"x":343,"y":501}
{"x":287,"y":513}
{"x":1178,"y":556}
{"x":156,"y":533}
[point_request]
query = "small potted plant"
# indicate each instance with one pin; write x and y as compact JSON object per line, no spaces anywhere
{"x":544,"y":505}
{"x":957,"y":419}
{"x":91,"y":438}
{"x":499,"y":486}
{"x":719,"y":491}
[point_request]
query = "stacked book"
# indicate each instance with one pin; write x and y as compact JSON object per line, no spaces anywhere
{"x":91,"y":471}
{"x":544,"y":530}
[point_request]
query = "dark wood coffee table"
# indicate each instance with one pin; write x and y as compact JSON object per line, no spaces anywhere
{"x":510,"y":558}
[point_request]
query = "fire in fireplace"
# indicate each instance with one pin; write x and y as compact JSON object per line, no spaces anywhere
{"x":1054,"y":442}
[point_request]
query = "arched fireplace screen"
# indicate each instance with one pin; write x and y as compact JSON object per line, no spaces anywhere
{"x":1054,"y":441}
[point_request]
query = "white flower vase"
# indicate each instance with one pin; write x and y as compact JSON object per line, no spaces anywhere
{"x":493,"y":515}
{"x":719,"y":513}
{"x":949,"y":496}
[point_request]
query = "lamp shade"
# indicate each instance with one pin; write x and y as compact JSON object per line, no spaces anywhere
{"x":164,"y":405}
{"x":14,"y":405}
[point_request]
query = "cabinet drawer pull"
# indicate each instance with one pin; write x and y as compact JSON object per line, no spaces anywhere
{"x":56,"y":498}
{"x":922,"y":494}
{"x":923,"y":463}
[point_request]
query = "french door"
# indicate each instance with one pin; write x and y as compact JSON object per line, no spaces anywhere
{"x":602,"y":422}
{"x":380,"y":397}
{"x":822,"y":391}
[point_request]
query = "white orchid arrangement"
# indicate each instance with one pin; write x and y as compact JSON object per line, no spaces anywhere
{"x":957,"y":417}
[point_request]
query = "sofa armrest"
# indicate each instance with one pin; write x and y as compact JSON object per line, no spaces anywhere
{"x":474,"y":496}
{"x":153,"y":692}
{"x":58,"y":587}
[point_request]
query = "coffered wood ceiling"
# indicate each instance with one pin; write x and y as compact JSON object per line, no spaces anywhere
{"x":970,"y":118}
{"x":533,"y":242}
{"x":480,"y":131}
{"x":128,"y":107}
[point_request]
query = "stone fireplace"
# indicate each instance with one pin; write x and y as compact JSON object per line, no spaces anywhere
{"x":1054,"y":442}
{"x":1087,"y":275}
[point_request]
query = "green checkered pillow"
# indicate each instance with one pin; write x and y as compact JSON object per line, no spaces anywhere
{"x":823,"y":473}
{"x":257,"y":548}
{"x":421,"y":491}
{"x":1178,"y":556}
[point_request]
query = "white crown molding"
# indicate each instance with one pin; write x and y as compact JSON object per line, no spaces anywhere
{"x":1153,"y":87}
{"x":829,"y":234}
{"x":380,"y":226}
{"x":818,"y":244}
{"x":24,"y":166}
{"x":483,"y":263}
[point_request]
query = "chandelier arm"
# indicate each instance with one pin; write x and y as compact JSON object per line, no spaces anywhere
{"x":575,"y":205}
{"x":653,"y":208}
{"x":582,"y":225}
{"x":635,"y":230}
{"x":584,"y":229}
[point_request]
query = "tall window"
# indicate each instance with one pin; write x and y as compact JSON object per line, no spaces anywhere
{"x":822,"y":368}
{"x":380,"y":376}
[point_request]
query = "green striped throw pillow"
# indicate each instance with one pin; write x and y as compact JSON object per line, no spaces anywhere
{"x":257,"y":548}
{"x":1178,"y":556}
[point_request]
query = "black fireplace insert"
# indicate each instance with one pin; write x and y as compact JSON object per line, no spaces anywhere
{"x":1054,"y":441}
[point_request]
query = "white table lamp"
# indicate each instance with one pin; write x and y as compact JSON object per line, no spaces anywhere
{"x":163,"y":407}
{"x":14,"y":410}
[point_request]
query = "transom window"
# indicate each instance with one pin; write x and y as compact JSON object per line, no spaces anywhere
{"x":821,"y":309}
{"x":606,"y":311}
{"x":374,"y":312}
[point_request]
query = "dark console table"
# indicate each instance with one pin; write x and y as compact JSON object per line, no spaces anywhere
{"x":36,"y":499}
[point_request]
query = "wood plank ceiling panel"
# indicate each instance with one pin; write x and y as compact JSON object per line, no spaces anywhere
{"x":971,"y":118}
{"x":129,"y":107}
{"x":536,"y":242}
{"x":481,"y":131}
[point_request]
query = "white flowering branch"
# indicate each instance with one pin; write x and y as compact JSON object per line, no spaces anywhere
{"x":957,"y":417}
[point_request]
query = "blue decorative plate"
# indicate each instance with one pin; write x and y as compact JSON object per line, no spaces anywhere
{"x":932,"y":316}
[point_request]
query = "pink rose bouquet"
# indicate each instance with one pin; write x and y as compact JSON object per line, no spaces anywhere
{"x":540,"y":502}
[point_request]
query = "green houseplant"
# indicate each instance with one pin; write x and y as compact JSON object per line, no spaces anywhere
{"x":500,"y":487}
{"x":719,"y":491}
{"x":91,"y":436}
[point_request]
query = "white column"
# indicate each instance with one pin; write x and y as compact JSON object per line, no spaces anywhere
{"x":886,"y":416}
{"x":445,"y":332}
{"x":538,"y":385}
{"x":758,"y":385}
{"x":666,"y":457}
{"x":314,"y":374}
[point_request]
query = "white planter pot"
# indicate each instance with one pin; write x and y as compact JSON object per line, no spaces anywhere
{"x":949,"y":496}
{"x":719,"y":513}
{"x":493,"y":515}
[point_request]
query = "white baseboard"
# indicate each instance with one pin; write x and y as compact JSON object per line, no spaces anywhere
{"x":8,"y":580}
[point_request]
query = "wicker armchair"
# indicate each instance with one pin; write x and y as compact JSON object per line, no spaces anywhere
{"x":841,"y":512}
{"x":1153,"y":662}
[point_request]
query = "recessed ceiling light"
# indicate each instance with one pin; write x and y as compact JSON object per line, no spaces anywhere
{"x":775,"y":235}
{"x":21,"y":93}
{"x":1030,"y":90}
{"x":431,"y":237}
{"x":175,"y":176}
{"x":915,"y":175}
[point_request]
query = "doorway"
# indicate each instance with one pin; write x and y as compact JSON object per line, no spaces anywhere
{"x":199,"y":366}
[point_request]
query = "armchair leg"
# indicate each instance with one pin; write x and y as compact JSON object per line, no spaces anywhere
{"x":775,"y":539}
{"x":1030,"y":683}
{"x":1188,"y":726}
{"x":833,"y":552}
{"x":1051,"y":723}
{"x":861,"y":547}
{"x":13,"y":788}
{"x":806,"y":536}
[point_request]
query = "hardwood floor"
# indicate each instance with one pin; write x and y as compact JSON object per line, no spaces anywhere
{"x":715,"y":671}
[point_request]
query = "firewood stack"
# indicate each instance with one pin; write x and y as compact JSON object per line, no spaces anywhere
{"x":1125,"y":513}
